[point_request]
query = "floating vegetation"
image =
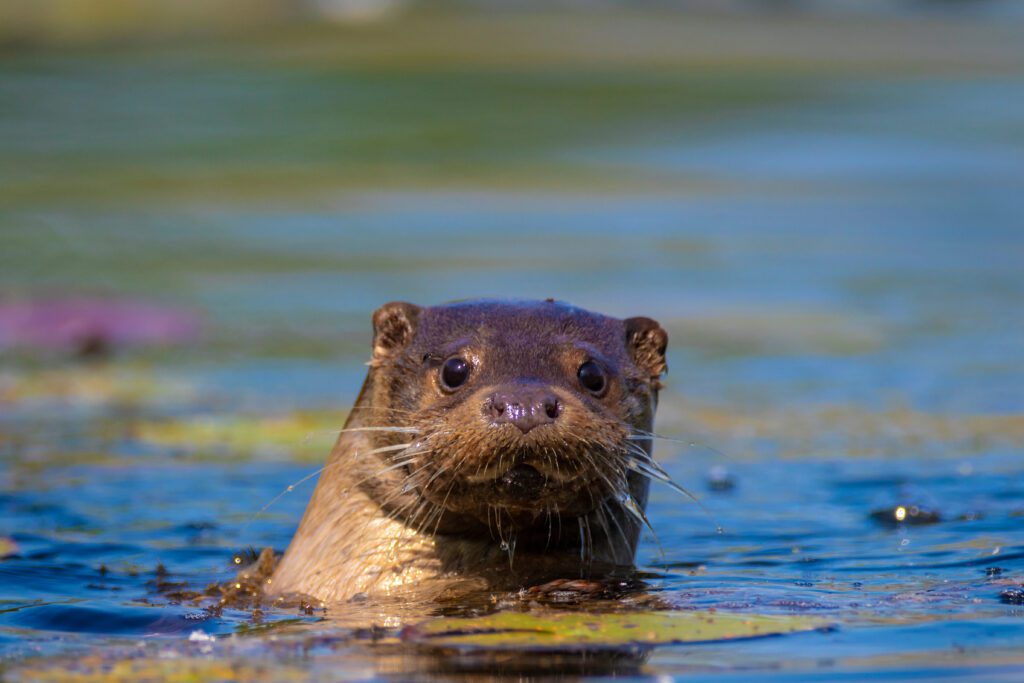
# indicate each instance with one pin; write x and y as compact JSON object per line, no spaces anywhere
{"x":1013,"y":596}
{"x":305,"y":436}
{"x":549,"y":629}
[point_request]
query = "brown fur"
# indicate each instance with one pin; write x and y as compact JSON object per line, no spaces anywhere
{"x":385,"y":517}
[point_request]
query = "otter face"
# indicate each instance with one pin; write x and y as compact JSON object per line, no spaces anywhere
{"x":522,"y":412}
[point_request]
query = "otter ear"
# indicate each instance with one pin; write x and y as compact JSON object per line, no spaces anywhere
{"x":646,"y":343}
{"x":394,"y":324}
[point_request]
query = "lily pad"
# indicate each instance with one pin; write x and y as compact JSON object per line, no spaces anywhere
{"x":551,"y":629}
{"x":304,"y":435}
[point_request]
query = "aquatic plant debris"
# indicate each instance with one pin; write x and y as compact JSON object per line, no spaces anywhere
{"x":557,"y":629}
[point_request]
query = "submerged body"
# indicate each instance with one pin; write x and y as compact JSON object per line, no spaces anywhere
{"x":502,"y":441}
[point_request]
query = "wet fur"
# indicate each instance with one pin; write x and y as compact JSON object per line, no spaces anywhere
{"x":393,"y":510}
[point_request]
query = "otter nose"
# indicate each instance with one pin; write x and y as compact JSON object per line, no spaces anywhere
{"x":524,"y":406}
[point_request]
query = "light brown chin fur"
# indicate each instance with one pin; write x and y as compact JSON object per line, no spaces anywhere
{"x":367,"y":530}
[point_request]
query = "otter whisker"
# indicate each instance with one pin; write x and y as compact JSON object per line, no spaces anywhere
{"x":629,"y":504}
{"x":600,"y":468}
{"x":391,"y":410}
{"x":641,"y":435}
{"x":409,"y":483}
{"x":583,"y":546}
{"x":490,"y":529}
{"x":441,"y":508}
{"x":444,"y":502}
{"x":416,"y":513}
{"x":436,"y":512}
{"x":382,"y":428}
{"x":649,"y":468}
{"x":497,"y":523}
{"x":385,"y":449}
{"x":554,"y":459}
{"x":288,"y":489}
{"x":586,"y":543}
{"x":393,"y":466}
{"x":623,"y":536}
{"x":640,"y":461}
{"x":403,"y":460}
{"x":291,"y":487}
{"x":510,"y":548}
{"x":422,"y":516}
{"x":590,"y":541}
{"x":603,"y":523}
{"x":435,"y":476}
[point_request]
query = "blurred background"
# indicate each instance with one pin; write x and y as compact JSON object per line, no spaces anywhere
{"x":819,"y":199}
{"x":201,"y":203}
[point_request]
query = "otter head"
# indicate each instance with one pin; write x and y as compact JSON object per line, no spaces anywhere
{"x":520,"y":414}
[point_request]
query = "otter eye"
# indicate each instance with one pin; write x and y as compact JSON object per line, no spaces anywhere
{"x":454,"y":372}
{"x":591,"y":376}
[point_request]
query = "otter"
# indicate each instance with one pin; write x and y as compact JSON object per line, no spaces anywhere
{"x":508,"y":441}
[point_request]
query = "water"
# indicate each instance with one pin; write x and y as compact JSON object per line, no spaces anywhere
{"x":837,"y":257}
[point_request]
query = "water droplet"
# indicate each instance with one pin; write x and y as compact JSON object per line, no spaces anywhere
{"x":290,"y":488}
